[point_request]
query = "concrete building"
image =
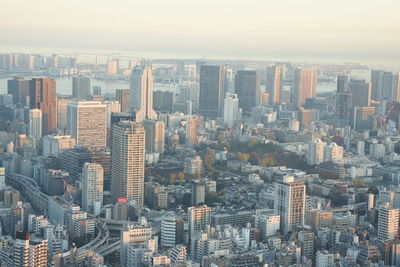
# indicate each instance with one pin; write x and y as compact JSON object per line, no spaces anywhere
{"x":19,"y":89}
{"x":193,"y":165}
{"x":212,"y":91}
{"x":325,"y":259}
{"x":81,"y":87}
{"x":35,"y":124}
{"x":315,"y":154}
{"x":247,"y":88}
{"x":269,"y":225}
{"x":334,"y":153}
{"x":199,"y":220}
{"x":192,"y":127}
{"x":122,"y":96}
{"x":127,"y":164}
{"x":274,"y":84}
{"x":92,"y":187}
{"x":361,"y":93}
{"x":87,"y":123}
{"x":388,"y":223}
{"x":141,"y":93}
{"x":290,"y":198}
{"x":155,"y":136}
{"x":132,"y":235}
{"x":305,"y":84}
{"x":62,"y":107}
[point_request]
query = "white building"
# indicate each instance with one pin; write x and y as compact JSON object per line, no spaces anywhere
{"x":361,"y":148}
{"x":53,"y":145}
{"x":333,"y":152}
{"x":231,"y":109}
{"x":133,"y":235}
{"x":35,"y":124}
{"x":388,"y":223}
{"x":324,"y":259}
{"x":315,"y":154}
{"x":269,"y":225}
{"x":92,"y":187}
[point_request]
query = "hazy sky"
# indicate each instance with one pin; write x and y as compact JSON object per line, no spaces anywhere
{"x":253,"y":28}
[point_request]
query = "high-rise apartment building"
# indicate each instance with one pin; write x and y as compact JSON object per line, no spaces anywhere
{"x":199,"y":219}
{"x":343,"y":98}
{"x":247,"y":88}
{"x":231,"y":109}
{"x":290,"y":198}
{"x":155,"y":136}
{"x":212,"y":91}
{"x":19,"y":89}
{"x":80,"y":87}
{"x":86,"y":122}
{"x":30,"y":252}
{"x":192,"y":128}
{"x":315,"y":154}
{"x":112,"y":66}
{"x":127,"y":163}
{"x":92,"y":187}
{"x":111,"y":107}
{"x":361,"y":93}
{"x":274,"y":84}
{"x":305,"y":84}
{"x":141,"y":93}
{"x":43,"y":96}
{"x":35,"y":124}
{"x":122,"y":96}
{"x":388,"y":223}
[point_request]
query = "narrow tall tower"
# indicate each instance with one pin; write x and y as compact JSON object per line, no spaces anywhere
{"x":141,"y":93}
{"x":127,"y":161}
{"x":92,"y":187}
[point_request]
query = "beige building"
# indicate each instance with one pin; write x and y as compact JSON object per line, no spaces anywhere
{"x":62,"y":104}
{"x":127,"y":161}
{"x":87,"y":123}
{"x":53,"y":145}
{"x":305,"y":85}
{"x":388,"y":223}
{"x":274,"y":84}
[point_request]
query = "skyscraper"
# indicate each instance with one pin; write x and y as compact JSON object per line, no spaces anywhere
{"x":247,"y":88}
{"x":290,"y":197}
{"x":274,"y":84}
{"x":62,"y":104}
{"x":80,"y":87}
{"x":385,"y":85}
{"x":127,"y":162}
{"x":141,"y":93}
{"x":35,"y":124}
{"x":363,"y":118}
{"x":192,"y":127}
{"x":43,"y":96}
{"x":231,"y":109}
{"x":92,"y":187}
{"x":361,"y":93}
{"x":305,"y":84}
{"x":155,"y":135}
{"x":343,"y":98}
{"x":86,"y":122}
{"x":199,"y":219}
{"x":212,"y":86}
{"x":122,"y":96}
{"x":315,"y":154}
{"x":112,"y":66}
{"x":19,"y":89}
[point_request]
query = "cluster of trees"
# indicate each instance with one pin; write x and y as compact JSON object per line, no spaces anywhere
{"x":266,"y":160}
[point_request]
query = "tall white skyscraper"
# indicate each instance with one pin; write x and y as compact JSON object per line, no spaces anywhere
{"x":290,"y":198}
{"x":127,"y":161}
{"x":388,"y":223}
{"x":141,"y":93}
{"x":86,"y":122}
{"x":231,"y":109}
{"x":92,"y":187}
{"x":35,"y":124}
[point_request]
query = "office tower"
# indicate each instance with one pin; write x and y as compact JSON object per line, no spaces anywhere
{"x":141,"y":93}
{"x":185,"y":107}
{"x":53,"y":181}
{"x":388,"y":223}
{"x":62,"y":104}
{"x":343,"y":98}
{"x":80,"y":87}
{"x":305,"y":84}
{"x":35,"y":124}
{"x":112,"y":66}
{"x":361,"y":93}
{"x":163,"y":101}
{"x":172,"y":232}
{"x":231,"y":109}
{"x":19,"y":89}
{"x":274,"y":84}
{"x":198,"y":193}
{"x":96,"y":90}
{"x":390,"y":86}
{"x":133,"y":236}
{"x":324,"y":259}
{"x":86,"y":122}
{"x":363,"y":118}
{"x":199,"y":219}
{"x":212,"y":86}
{"x":43,"y":96}
{"x":92,"y":187}
{"x":155,"y":136}
{"x":361,"y":148}
{"x":376,"y":84}
{"x":192,"y":127}
{"x":247,"y":88}
{"x":315,"y":154}
{"x":290,"y":198}
{"x":53,"y":145}
{"x":127,"y":163}
{"x":122,"y":96}
{"x":305,"y":117}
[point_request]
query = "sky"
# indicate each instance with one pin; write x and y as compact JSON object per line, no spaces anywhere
{"x":345,"y":29}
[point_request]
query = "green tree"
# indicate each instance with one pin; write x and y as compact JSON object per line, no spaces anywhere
{"x":266,"y":162}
